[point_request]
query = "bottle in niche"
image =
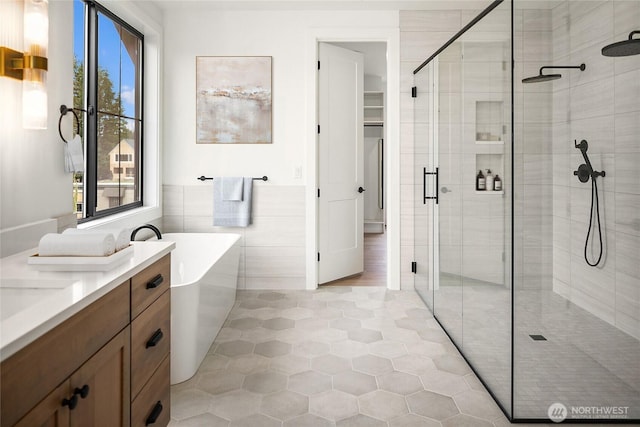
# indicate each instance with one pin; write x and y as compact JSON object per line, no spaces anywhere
{"x":497,"y":183}
{"x":481,"y":183}
{"x":489,"y":180}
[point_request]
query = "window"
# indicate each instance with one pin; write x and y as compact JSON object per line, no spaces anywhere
{"x":108,"y":88}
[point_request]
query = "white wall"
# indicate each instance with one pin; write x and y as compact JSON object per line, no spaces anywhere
{"x":33,"y":183}
{"x":280,"y":34}
{"x":274,"y":251}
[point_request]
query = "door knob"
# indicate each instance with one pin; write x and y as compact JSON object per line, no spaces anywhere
{"x":361,"y":190}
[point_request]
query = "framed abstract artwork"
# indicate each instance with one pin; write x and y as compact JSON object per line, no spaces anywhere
{"x":233,"y":100}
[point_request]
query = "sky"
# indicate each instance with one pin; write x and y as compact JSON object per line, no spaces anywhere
{"x":112,"y":55}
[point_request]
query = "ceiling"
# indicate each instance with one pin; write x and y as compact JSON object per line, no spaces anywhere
{"x":324,"y":4}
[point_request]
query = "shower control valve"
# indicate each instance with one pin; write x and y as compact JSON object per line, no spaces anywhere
{"x":585,"y":170}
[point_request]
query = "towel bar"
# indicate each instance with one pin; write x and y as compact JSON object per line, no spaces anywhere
{"x":204,"y":178}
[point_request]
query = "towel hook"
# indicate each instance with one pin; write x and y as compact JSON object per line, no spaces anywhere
{"x":63,"y":112}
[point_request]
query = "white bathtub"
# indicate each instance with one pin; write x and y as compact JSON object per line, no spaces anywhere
{"x":204,"y":275}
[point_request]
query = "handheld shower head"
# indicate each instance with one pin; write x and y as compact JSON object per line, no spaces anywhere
{"x":547,"y":77}
{"x":583,"y":146}
{"x":623,"y":48}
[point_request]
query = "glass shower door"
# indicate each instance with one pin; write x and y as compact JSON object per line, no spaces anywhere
{"x":469,"y":289}
{"x":423,"y":214}
{"x":449,"y":161}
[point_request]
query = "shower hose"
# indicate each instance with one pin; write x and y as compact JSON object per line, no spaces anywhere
{"x":595,"y":205}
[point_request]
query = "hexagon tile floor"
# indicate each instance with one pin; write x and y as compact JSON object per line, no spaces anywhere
{"x":339,"y":356}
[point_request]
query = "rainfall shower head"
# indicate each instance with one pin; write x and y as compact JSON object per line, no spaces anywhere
{"x":623,"y":48}
{"x":542,"y":78}
{"x":547,"y":77}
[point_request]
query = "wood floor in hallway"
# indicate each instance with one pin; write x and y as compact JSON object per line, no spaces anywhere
{"x":375,"y":264}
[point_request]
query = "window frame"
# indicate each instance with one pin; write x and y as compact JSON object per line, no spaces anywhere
{"x":90,"y":180}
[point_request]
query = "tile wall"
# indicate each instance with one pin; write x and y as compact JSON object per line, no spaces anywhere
{"x":601,"y":106}
{"x":273,"y":246}
{"x":533,"y":160}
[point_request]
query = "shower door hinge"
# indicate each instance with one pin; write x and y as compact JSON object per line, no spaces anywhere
{"x":318,"y":256}
{"x":414,"y":267}
{"x":414,"y":92}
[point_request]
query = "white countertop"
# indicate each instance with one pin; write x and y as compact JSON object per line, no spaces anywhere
{"x":33,"y":302}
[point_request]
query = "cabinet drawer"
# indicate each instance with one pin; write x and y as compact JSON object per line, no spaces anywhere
{"x":150,"y":341}
{"x":154,"y":400}
{"x":30,"y":374}
{"x":149,"y":284}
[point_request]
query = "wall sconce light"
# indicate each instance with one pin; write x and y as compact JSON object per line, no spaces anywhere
{"x":31,"y":65}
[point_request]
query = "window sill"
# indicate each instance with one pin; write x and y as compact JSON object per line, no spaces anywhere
{"x":131,"y":218}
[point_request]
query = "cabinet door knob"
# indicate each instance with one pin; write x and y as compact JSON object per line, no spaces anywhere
{"x":361,"y":190}
{"x":71,"y":403}
{"x":155,"y":282}
{"x":155,"y":413}
{"x":155,"y":338}
{"x":83,"y":392}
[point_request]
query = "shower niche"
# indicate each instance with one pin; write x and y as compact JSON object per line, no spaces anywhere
{"x":490,"y":133}
{"x":494,"y":163}
{"x":490,"y":128}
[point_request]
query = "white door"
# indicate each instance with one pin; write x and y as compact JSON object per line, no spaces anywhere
{"x":341,"y":163}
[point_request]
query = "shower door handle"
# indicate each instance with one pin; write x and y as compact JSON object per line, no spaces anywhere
{"x":424,"y":186}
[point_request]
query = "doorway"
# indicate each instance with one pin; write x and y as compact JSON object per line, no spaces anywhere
{"x":371,"y":243}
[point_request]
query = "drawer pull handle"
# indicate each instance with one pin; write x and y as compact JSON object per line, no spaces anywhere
{"x":83,"y":392}
{"x":155,"y":413}
{"x":155,"y":338}
{"x":155,"y":282}
{"x":71,"y":403}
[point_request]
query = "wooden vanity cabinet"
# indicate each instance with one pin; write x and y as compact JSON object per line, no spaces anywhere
{"x":150,"y":342}
{"x":81,"y":373}
{"x":102,"y":380}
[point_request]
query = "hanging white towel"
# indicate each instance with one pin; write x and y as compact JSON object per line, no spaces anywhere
{"x":232,"y":213}
{"x":53,"y":244}
{"x":232,"y":187}
{"x":73,"y":155}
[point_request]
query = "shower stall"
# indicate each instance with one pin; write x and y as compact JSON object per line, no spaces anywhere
{"x":527,"y":204}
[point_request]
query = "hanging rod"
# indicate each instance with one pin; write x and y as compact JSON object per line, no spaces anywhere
{"x":464,"y":29}
{"x":204,"y":178}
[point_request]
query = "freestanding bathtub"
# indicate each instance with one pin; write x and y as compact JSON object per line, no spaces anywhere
{"x":204,"y":275}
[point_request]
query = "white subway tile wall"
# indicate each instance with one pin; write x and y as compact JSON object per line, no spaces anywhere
{"x":273,"y":246}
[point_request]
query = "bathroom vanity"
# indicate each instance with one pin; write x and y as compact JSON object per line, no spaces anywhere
{"x":87,"y":348}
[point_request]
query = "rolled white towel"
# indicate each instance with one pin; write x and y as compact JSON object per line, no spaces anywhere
{"x":122,"y":235}
{"x":90,"y":244}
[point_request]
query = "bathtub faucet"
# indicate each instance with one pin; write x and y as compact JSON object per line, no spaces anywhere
{"x":150,"y":227}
